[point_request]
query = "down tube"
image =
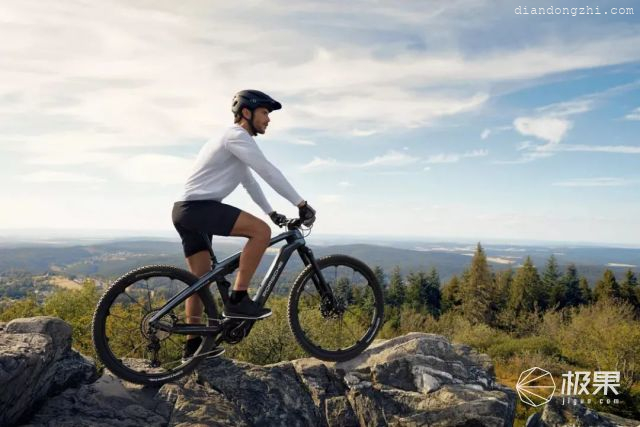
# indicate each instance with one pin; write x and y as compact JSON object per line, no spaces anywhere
{"x":275,"y":270}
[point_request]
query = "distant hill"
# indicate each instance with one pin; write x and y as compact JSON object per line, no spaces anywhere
{"x":111,"y":259}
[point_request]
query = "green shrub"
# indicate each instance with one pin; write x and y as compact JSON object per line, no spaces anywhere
{"x":510,"y":347}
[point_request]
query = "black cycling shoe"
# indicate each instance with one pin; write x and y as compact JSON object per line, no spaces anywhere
{"x":192,"y":345}
{"x":246,"y":308}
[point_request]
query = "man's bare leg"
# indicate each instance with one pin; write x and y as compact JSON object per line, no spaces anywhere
{"x":259,"y":235}
{"x":199,"y":264}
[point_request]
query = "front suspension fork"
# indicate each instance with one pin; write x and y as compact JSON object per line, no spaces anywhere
{"x":318,"y":279}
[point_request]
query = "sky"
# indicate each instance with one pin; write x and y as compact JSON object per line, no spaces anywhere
{"x":442,"y":120}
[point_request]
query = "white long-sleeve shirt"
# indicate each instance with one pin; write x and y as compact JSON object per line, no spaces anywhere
{"x":224,"y":163}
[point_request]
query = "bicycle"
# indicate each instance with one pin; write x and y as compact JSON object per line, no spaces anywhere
{"x":139,"y":325}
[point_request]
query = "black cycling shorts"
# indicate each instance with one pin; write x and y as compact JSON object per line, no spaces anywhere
{"x":198,"y":220}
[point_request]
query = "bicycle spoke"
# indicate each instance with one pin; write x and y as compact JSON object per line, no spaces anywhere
{"x":146,"y":284}
{"x":116,"y":316}
{"x":351,"y":331}
{"x":356,"y":315}
{"x":133,"y":351}
{"x":133,"y":299}
{"x":171,"y":339}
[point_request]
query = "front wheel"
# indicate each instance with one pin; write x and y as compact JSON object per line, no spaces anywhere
{"x":340,"y":326}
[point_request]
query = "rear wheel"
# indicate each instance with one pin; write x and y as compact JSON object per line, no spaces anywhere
{"x":123,"y":338}
{"x":338,"y":328}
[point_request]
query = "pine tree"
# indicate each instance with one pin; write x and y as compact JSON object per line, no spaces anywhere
{"x":501,"y":289}
{"x":476,"y":289}
{"x":380,"y":276}
{"x":396,"y":291}
{"x":523,"y":295}
{"x":451,"y":295}
{"x":344,"y":290}
{"x":571,"y":285}
{"x":413,"y":290}
{"x":586,"y":295}
{"x":431,"y":294}
{"x":552,"y":290}
{"x":607,"y":287}
{"x":629,"y":289}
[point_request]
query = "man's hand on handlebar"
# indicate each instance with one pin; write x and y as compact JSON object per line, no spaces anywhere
{"x":307,"y":214}
{"x":278,"y":219}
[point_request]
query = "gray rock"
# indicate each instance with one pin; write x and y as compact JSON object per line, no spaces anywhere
{"x":557,"y":414}
{"x":270,"y":395}
{"x":421,"y":379}
{"x":106,"y":402}
{"x":200,"y":405}
{"x":36,"y":361}
{"x":414,"y":380}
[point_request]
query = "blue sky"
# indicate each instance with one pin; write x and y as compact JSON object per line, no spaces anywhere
{"x":419,"y":119}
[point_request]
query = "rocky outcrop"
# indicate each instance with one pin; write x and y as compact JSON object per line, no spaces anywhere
{"x":414,"y":380}
{"x":417,"y":379}
{"x":106,"y":402}
{"x":36,"y":361}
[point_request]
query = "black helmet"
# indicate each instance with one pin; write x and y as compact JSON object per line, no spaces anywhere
{"x":253,"y":99}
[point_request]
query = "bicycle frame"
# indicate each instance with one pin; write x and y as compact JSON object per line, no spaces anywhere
{"x":295,"y":242}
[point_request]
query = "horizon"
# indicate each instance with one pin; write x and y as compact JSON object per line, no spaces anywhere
{"x":462,"y":119}
{"x":76,"y":235}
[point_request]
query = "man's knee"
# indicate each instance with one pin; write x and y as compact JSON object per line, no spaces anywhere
{"x":263,"y":231}
{"x":249,"y":226}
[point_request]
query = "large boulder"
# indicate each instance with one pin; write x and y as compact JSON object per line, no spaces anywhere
{"x":36,"y":361}
{"x":417,"y":379}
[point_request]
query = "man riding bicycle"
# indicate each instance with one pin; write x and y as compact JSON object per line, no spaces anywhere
{"x":220,"y":166}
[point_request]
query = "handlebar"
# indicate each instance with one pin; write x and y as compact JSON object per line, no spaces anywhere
{"x":291,"y":223}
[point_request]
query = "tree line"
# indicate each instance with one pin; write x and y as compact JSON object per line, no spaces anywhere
{"x":504,"y":299}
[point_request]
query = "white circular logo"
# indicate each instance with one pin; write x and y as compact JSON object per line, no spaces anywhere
{"x":535,"y":386}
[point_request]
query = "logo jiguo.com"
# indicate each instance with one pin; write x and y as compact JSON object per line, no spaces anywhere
{"x":536,"y":386}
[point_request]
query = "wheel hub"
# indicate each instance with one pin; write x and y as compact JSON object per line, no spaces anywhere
{"x":330,"y":309}
{"x":150,"y":332}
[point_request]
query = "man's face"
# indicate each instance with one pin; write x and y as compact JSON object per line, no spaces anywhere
{"x":261,"y":119}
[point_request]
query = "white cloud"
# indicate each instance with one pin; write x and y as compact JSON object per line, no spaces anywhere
{"x":345,"y":184}
{"x":319,"y":164}
{"x":485,"y":134}
{"x":552,"y":125}
{"x":56,"y":176}
{"x":156,"y":169}
{"x":568,"y":108}
{"x":550,"y":129}
{"x":330,"y":198}
{"x":454,"y":157}
{"x":443,"y":158}
{"x":361,"y":132}
{"x":151,"y":77}
{"x":620,"y":149}
{"x":71,"y":158}
{"x":594,"y":182}
{"x":391,"y":158}
{"x":633,"y":115}
{"x":300,"y":142}
{"x":476,"y":153}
